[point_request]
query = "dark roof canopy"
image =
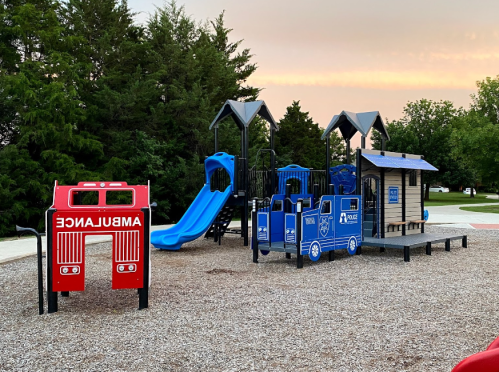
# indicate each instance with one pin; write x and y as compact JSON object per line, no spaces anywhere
{"x":243,"y":113}
{"x":350,"y":123}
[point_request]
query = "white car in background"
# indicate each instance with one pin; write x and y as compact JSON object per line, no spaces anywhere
{"x":467,"y":191}
{"x":439,"y":189}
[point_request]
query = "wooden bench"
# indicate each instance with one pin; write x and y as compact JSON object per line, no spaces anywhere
{"x":415,"y":222}
{"x":393,"y":224}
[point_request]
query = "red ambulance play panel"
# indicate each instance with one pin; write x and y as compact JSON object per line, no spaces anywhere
{"x":103,"y":208}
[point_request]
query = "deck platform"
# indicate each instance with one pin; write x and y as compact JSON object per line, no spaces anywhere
{"x":407,"y":242}
{"x":277,"y":247}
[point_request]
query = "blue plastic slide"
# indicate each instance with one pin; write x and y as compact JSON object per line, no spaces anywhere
{"x":203,"y":210}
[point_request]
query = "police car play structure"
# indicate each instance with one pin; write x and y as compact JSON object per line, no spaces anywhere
{"x":322,"y":224}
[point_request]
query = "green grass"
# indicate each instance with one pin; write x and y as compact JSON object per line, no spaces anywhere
{"x":456,"y":198}
{"x":482,"y":209}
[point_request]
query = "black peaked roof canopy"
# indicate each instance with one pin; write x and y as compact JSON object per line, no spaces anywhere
{"x":243,"y":113}
{"x":350,"y":123}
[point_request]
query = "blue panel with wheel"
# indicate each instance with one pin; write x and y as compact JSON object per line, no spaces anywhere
{"x":334,"y":224}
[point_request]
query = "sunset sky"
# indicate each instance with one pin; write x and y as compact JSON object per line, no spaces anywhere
{"x":360,"y":55}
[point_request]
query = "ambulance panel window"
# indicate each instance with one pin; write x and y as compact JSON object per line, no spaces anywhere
{"x":326,"y":207}
{"x":123,"y":197}
{"x":277,"y":206}
{"x":354,"y":204}
{"x":85,"y":198}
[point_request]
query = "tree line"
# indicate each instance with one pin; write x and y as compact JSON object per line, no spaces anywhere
{"x":462,"y":144}
{"x":87,"y":94}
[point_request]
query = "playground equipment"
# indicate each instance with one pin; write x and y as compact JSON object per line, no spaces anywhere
{"x":284,"y":226}
{"x":243,"y":114}
{"x":204,"y":209}
{"x":98,"y":208}
{"x":378,"y":202}
{"x":484,"y":361}
{"x":38,"y":261}
{"x":343,"y":175}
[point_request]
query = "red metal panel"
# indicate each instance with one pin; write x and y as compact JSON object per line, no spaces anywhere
{"x":69,"y":232}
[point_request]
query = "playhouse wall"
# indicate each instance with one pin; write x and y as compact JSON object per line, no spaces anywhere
{"x":393,"y":212}
{"x":413,"y":203}
{"x":393,"y":178}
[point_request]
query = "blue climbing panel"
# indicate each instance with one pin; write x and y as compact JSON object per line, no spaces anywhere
{"x":345,"y":175}
{"x":295,"y":172}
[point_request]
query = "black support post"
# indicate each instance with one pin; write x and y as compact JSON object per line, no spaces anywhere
{"x":287,"y":201}
{"x":348,"y":151}
{"x":358,"y":173}
{"x":254,"y":231}
{"x":428,"y":248}
{"x":447,"y":245}
{"x":51,"y":296}
{"x":144,"y":291}
{"x":299,"y":256}
{"x":216,"y":138}
{"x":247,"y":186}
{"x":38,"y":262}
{"x":330,"y":189}
{"x":272,"y":163}
{"x":363,"y":142}
{"x":382,"y":201}
{"x":422,"y":200}
{"x":465,"y":241}
{"x":331,"y":255}
{"x":403,"y":200}
{"x":235,"y":186}
{"x":407,"y":255}
{"x":328,"y":155}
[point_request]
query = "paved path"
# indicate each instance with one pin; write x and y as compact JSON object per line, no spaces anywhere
{"x":15,"y":249}
{"x":451,"y":214}
{"x":19,"y":248}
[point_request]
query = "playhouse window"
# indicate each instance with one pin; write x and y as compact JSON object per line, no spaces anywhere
{"x":306,"y":203}
{"x":277,"y":206}
{"x":326,"y":207}
{"x":119,"y":197}
{"x":413,"y":178}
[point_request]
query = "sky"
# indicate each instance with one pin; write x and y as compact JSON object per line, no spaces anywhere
{"x":358,"y":55}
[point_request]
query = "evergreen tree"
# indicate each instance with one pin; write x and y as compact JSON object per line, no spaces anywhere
{"x":298,"y":141}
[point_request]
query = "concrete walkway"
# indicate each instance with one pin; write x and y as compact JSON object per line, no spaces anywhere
{"x":14,"y":249}
{"x":452,"y":214}
{"x":19,"y":248}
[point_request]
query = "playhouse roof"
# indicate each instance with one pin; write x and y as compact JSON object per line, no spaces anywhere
{"x":398,"y":162}
{"x":243,"y":113}
{"x":350,"y":123}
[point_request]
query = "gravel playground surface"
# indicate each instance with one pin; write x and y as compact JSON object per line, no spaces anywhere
{"x":212,"y":309}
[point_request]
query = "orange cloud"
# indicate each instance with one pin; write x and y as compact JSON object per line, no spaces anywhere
{"x":372,"y":79}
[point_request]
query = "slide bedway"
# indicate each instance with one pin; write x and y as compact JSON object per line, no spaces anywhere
{"x":203,"y":210}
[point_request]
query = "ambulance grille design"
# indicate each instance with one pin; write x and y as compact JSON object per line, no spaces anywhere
{"x":126,"y":246}
{"x":69,"y":247}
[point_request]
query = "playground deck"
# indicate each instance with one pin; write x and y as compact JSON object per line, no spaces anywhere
{"x":407,"y":242}
{"x":278,"y":247}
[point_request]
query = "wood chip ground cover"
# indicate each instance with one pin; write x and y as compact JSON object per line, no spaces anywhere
{"x":212,"y":309}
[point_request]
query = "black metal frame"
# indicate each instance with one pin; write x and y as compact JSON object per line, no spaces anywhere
{"x":38,"y":261}
{"x":246,"y":183}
